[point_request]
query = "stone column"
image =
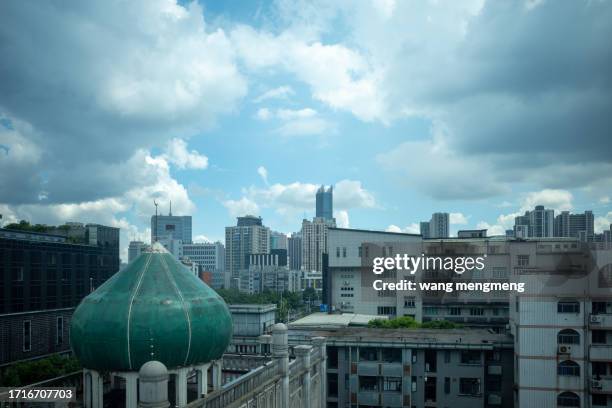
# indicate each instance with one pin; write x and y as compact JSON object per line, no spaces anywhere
{"x":264,"y":341}
{"x":217,"y":374}
{"x":153,"y":385}
{"x":93,"y":389}
{"x":280,"y":353}
{"x":180,"y":386}
{"x":202,"y":375}
{"x":320,"y":343}
{"x":131,"y":390}
{"x":303,"y":355}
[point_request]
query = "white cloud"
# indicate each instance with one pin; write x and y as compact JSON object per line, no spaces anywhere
{"x":263,"y":114}
{"x":177,"y":154}
{"x":201,"y":238}
{"x":559,"y":200}
{"x":282,"y":92}
{"x":410,"y":229}
{"x":351,"y":194}
{"x":491,"y":229}
{"x":604,"y":200}
{"x":458,"y":218}
{"x":263,"y":173}
{"x":603,"y":223}
{"x":241,"y":207}
{"x":342,"y":218}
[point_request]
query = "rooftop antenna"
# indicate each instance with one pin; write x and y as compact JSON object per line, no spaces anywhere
{"x":170,"y":214}
{"x":155,"y":229}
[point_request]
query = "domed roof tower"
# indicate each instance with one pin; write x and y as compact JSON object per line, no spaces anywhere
{"x":154,"y":309}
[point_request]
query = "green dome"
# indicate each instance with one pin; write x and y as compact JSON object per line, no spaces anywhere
{"x":154,"y":309}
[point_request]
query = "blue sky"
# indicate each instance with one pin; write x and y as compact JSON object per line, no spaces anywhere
{"x":481,"y":109}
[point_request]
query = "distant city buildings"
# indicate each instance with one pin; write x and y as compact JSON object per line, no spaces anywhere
{"x":135,"y":248}
{"x":270,"y":272}
{"x":542,"y":223}
{"x":314,"y":242}
{"x":278,"y":240}
{"x":294,"y":251}
{"x":325,"y":203}
{"x":210,"y":257}
{"x":169,"y":227}
{"x":436,"y":227}
{"x":249,"y":236}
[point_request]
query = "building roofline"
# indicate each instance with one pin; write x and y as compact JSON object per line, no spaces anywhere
{"x":32,"y":232}
{"x":375,"y":231}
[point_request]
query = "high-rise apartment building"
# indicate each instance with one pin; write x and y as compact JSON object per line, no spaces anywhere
{"x":436,"y":227}
{"x":294,"y":251}
{"x":278,"y":240}
{"x":314,"y":242}
{"x":210,"y":257}
{"x":325,"y":203}
{"x":574,"y":225}
{"x":135,"y":248}
{"x":171,"y":227}
{"x":249,"y":236}
{"x":538,"y":223}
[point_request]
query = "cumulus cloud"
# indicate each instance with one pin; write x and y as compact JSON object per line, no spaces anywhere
{"x":342,"y":218}
{"x":282,"y":92}
{"x":263,"y":173}
{"x":410,"y":229}
{"x":458,"y":218}
{"x":297,"y":122}
{"x":243,"y":206}
{"x":177,"y":154}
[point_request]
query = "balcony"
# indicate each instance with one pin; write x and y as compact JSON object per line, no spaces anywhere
{"x":603,"y":385}
{"x":600,"y":322}
{"x":601,"y":352}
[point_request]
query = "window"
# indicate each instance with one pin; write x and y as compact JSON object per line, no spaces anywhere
{"x":568,"y":367}
{"x":27,"y":335}
{"x":568,"y":399}
{"x":430,"y":310}
{"x":386,"y":310}
{"x":367,"y":383}
{"x":470,"y":357}
{"x":455,"y":311}
{"x":408,"y":301}
{"x":344,"y":252}
{"x":59,"y":329}
{"x":337,"y":252}
{"x":392,"y":355}
{"x":469,"y":386}
{"x":522,"y":260}
{"x":599,"y":336}
{"x":368,"y":354}
{"x":447,"y":385}
{"x":359,"y":251}
{"x":568,"y":336}
{"x":476,"y":311}
{"x":568,"y":306}
{"x":599,"y":399}
{"x":393,"y":384}
{"x":447,"y":356}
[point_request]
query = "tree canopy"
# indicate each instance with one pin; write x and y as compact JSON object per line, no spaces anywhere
{"x":407,"y":322}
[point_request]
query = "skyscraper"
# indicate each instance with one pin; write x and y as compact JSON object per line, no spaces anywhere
{"x":249,"y":236}
{"x":171,"y":227}
{"x":424,"y":229}
{"x":438,"y":225}
{"x":325,"y":203}
{"x":314,"y":242}
{"x":571,"y":225}
{"x":278,"y":240}
{"x":538,"y":223}
{"x":295,"y":251}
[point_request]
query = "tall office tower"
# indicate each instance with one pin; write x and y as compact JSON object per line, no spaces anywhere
{"x":249,"y":236}
{"x":574,"y":225}
{"x":135,"y":248}
{"x":325,"y":203}
{"x":278,"y":240}
{"x":562,"y":324}
{"x":171,"y":227}
{"x":538,"y":223}
{"x":314,"y":242}
{"x":210,"y":256}
{"x":438,"y":225}
{"x":43,"y":277}
{"x":424,"y":229}
{"x":294,"y":251}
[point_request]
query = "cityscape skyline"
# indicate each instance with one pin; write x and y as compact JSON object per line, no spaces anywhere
{"x":395,"y":150}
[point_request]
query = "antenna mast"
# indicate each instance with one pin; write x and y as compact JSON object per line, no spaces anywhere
{"x":155,"y":229}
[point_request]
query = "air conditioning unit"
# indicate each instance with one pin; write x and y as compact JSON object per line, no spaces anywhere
{"x":564,"y":350}
{"x":595,"y":319}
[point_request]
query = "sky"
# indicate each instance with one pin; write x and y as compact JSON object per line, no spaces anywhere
{"x":482,"y":109}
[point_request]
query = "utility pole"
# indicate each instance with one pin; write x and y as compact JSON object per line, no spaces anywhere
{"x":155,"y":229}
